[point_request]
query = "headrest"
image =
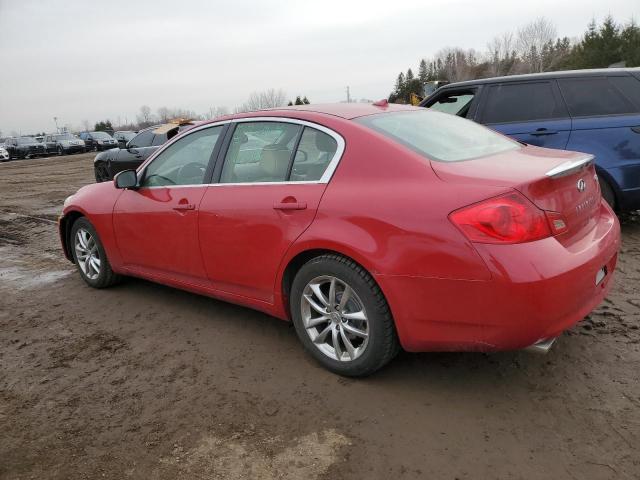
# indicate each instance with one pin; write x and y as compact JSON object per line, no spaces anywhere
{"x":274,"y":160}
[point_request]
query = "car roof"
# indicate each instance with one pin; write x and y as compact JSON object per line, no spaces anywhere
{"x":347,"y":111}
{"x":545,"y":75}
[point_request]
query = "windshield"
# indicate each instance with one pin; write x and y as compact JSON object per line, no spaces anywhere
{"x":64,"y":136}
{"x":101,"y":135}
{"x":439,"y":136}
{"x":23,"y":140}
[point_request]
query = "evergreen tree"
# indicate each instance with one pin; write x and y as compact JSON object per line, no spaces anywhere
{"x":298,"y":101}
{"x":305,"y":100}
{"x":290,"y":104}
{"x":423,"y":72}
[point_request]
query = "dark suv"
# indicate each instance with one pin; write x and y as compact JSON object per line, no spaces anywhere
{"x":136,"y":151}
{"x":593,"y":111}
{"x":98,"y":141}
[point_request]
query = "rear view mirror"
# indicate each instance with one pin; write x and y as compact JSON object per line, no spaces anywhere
{"x":126,"y":179}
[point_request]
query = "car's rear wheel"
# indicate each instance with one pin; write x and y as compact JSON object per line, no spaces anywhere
{"x":60,"y":150}
{"x":90,"y":256}
{"x":342,"y":317}
{"x":607,"y":192}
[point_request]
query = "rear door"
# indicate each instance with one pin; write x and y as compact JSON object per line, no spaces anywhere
{"x":531,"y":112}
{"x":266,"y":193}
{"x":606,"y":123}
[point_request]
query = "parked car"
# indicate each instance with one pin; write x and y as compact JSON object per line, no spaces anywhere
{"x":369,"y":226}
{"x":4,"y":154}
{"x":98,"y":141}
{"x":123,"y":137}
{"x":136,"y":151}
{"x":24,"y":147}
{"x":593,"y":111}
{"x":63,"y":144}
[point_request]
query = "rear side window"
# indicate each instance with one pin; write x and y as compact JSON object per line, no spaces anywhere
{"x":521,"y":102}
{"x":439,"y":136}
{"x":159,"y":139}
{"x":629,"y":87}
{"x":592,"y":96}
{"x":455,"y":103}
{"x":315,"y":151}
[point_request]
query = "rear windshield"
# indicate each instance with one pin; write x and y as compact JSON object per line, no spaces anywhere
{"x":439,"y":136}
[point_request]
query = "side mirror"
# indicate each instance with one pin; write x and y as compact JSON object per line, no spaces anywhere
{"x":126,"y":179}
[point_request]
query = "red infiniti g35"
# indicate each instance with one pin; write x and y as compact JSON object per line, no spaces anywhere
{"x":371,"y":227}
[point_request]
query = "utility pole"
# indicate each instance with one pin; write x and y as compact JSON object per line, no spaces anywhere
{"x":55,"y":119}
{"x":348,"y":95}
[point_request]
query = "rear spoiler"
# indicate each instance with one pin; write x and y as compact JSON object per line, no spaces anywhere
{"x":567,"y":168}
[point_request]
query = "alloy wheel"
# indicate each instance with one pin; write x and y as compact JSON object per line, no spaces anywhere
{"x":335,"y":319}
{"x":87,"y":254}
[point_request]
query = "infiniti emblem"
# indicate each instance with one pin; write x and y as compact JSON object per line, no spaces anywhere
{"x":582,"y":185}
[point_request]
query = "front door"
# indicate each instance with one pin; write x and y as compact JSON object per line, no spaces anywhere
{"x":156,"y":225}
{"x":270,"y":184}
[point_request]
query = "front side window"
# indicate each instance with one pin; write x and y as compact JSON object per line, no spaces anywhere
{"x":260,"y":152}
{"x":455,"y":103}
{"x":521,"y":102}
{"x":185,"y":161}
{"x":159,"y":139}
{"x":593,"y":96}
{"x":439,"y":136}
{"x":142,"y":140}
{"x":315,"y":151}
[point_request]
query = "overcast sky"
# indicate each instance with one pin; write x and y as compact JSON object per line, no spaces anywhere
{"x":84,"y":60}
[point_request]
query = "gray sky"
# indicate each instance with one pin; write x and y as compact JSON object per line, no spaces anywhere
{"x":84,"y":60}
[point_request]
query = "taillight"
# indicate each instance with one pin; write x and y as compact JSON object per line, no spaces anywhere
{"x":509,"y":218}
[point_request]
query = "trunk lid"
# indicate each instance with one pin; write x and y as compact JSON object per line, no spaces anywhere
{"x":554,"y":180}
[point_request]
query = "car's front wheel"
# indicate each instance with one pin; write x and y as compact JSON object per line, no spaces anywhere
{"x":60,"y":150}
{"x":90,"y":256}
{"x":342,"y":317}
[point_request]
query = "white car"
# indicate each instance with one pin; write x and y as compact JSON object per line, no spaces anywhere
{"x":4,"y":155}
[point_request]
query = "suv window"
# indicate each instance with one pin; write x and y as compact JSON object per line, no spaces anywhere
{"x":184,"y":162}
{"x":141,"y":140}
{"x":456,"y":103}
{"x":260,"y":152}
{"x":158,"y":139}
{"x":521,"y":102}
{"x":315,"y":151}
{"x":630,"y":87}
{"x":592,"y":96}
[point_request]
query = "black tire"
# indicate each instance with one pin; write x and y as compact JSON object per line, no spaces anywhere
{"x":95,"y":148}
{"x":106,"y":277}
{"x":60,"y":150}
{"x":383,"y":342}
{"x":101,"y":172}
{"x":607,"y":192}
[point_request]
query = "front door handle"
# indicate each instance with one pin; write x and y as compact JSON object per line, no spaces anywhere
{"x":543,"y":131}
{"x":185,"y":206}
{"x":290,"y":205}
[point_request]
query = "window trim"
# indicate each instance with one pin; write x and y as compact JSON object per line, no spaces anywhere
{"x":219,"y":156}
{"x":555,"y":93}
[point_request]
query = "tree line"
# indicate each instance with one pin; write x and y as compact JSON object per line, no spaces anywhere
{"x":535,"y":47}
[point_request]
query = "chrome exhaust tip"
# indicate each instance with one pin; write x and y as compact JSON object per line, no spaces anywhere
{"x":542,"y":346}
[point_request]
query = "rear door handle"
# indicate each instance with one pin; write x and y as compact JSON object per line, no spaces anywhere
{"x":185,"y":206}
{"x":290,"y":205}
{"x":543,"y":131}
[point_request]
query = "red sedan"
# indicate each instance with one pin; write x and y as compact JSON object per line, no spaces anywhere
{"x":371,"y":227}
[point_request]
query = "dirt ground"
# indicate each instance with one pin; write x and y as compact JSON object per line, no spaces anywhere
{"x":143,"y":381}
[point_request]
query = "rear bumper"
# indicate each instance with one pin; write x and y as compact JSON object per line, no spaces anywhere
{"x":537,"y":291}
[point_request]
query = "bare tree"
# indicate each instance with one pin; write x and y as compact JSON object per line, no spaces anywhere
{"x":501,"y":55}
{"x":85,"y":125}
{"x":144,"y":117}
{"x":532,"y":40}
{"x":215,"y":112}
{"x":456,"y":64}
{"x":270,"y":98}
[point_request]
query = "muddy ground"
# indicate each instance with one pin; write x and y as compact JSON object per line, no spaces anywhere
{"x":142,"y":381}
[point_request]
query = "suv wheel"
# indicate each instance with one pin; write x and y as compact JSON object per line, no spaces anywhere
{"x":607,"y":192}
{"x":341,"y":316}
{"x":60,"y":150}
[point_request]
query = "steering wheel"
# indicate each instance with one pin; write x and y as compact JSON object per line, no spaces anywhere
{"x":160,"y":176}
{"x":191,"y":170}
